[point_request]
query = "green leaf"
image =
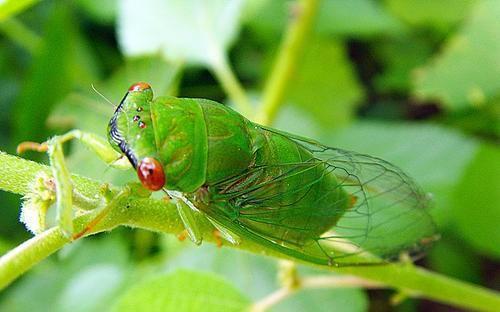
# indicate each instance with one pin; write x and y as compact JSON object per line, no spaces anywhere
{"x":256,"y":276}
{"x":399,"y":57}
{"x":9,"y":8}
{"x":183,"y":291}
{"x":466,"y":71}
{"x":452,"y":258}
{"x":441,"y":14}
{"x":356,"y":18}
{"x":194,"y":31}
{"x":477,"y":202}
{"x":423,"y":151}
{"x":252,"y":274}
{"x":325,"y":84}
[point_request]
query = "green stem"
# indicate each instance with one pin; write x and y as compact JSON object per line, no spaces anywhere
{"x":418,"y":282}
{"x":161,"y":216}
{"x":290,"y":51}
{"x":225,"y":74}
{"x":20,"y":34}
{"x":23,"y":257}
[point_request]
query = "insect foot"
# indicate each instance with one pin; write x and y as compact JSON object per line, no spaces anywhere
{"x":217,"y":237}
{"x":31,"y":146}
{"x":182,"y":235}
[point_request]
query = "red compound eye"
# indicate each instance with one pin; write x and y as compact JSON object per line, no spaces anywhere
{"x":139,"y":86}
{"x":150,"y":172}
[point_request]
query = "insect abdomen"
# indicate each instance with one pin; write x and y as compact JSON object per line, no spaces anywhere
{"x":303,"y":200}
{"x":286,"y":191}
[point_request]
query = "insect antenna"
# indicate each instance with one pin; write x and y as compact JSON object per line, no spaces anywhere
{"x":101,"y":95}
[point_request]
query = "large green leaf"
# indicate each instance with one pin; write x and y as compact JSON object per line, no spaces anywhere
{"x":254,"y":275}
{"x":466,"y":71}
{"x":325,"y":84}
{"x":452,"y":258}
{"x":477,"y":202}
{"x":183,"y":291}
{"x":194,"y":31}
{"x":441,"y":14}
{"x":356,"y":18}
{"x":399,"y":57}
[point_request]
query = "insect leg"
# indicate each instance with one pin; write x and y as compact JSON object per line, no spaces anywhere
{"x":62,"y":178}
{"x":96,"y":143}
{"x":225,"y":233}
{"x":102,"y":212}
{"x":188,"y":214}
{"x":64,"y":188}
{"x":217,"y":236}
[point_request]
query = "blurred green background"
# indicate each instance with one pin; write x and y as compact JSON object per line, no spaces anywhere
{"x":414,"y":82}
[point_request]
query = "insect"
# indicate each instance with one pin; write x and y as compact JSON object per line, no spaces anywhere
{"x":291,"y":194}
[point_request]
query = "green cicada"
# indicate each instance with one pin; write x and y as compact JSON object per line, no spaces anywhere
{"x":293,"y":195}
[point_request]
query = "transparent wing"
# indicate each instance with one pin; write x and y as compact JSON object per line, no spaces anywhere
{"x":383,"y":215}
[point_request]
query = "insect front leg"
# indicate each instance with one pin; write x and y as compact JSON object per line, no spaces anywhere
{"x":188,"y":214}
{"x":111,"y":202}
{"x":64,"y":189}
{"x":65,"y":195}
{"x":96,"y":143}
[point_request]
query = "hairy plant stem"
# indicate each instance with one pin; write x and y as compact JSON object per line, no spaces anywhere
{"x":291,"y":49}
{"x":161,"y":216}
{"x":23,"y":257}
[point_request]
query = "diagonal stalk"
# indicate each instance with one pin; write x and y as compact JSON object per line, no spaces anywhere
{"x":287,"y":59}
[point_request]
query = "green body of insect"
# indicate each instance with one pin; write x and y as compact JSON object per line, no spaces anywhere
{"x":294,"y":195}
